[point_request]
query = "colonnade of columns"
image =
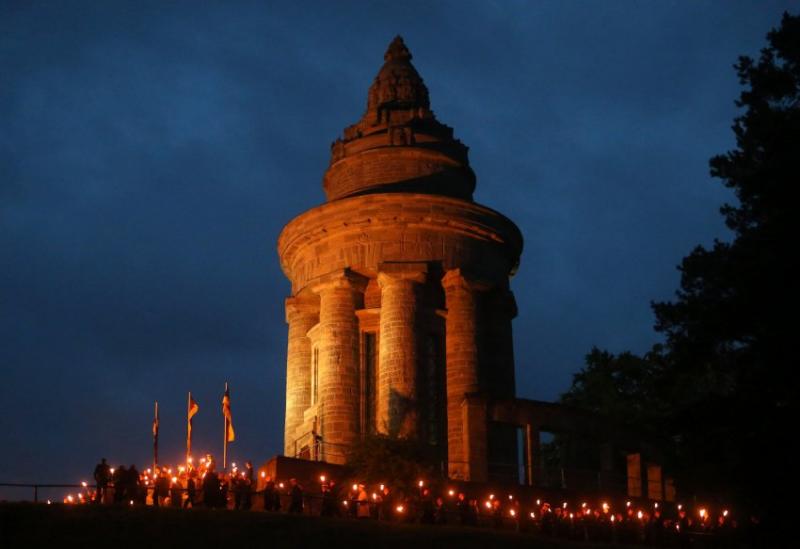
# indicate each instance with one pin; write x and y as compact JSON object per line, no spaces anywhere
{"x":336,"y":335}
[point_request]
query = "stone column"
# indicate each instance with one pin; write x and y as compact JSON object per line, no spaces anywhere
{"x":635,"y":475}
{"x":655,"y":485}
{"x":399,"y":348}
{"x":476,"y":441}
{"x":461,"y":364}
{"x":497,"y":377}
{"x":532,"y":455}
{"x":339,"y":396}
{"x":301,"y":315}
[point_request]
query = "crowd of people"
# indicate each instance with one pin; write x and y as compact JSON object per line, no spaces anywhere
{"x":184,"y":486}
{"x":188,"y":486}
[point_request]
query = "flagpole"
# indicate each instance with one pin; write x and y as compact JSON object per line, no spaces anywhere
{"x":155,"y":440}
{"x":188,"y":429}
{"x":225,"y":437}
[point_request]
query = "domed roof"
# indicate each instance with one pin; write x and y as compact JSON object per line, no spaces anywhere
{"x":398,"y":145}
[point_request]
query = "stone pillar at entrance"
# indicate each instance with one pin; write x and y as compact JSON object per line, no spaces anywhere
{"x":399,"y":348}
{"x":301,"y":315}
{"x":532,"y":455}
{"x":339,"y":403}
{"x":462,"y":364}
{"x":473,"y":416}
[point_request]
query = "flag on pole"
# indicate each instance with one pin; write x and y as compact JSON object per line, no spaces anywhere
{"x":193,"y":407}
{"x":226,"y":411}
{"x":155,"y":424}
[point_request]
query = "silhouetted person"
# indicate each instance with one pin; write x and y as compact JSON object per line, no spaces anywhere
{"x":237,"y":487}
{"x":120,"y":478}
{"x":462,"y":507}
{"x":385,"y":509}
{"x":102,"y":476}
{"x":428,"y":511}
{"x":377,"y":503}
{"x":684,"y":526}
{"x":224,"y":483}
{"x":473,"y":512}
{"x":497,"y":513}
{"x":363,"y":503}
{"x":296,"y":497}
{"x":548,"y":520}
{"x":191,"y":490}
{"x":160,"y":489}
{"x":132,"y":484}
{"x":330,"y":503}
{"x":271,"y":501}
{"x":247,"y":491}
{"x":654,"y":529}
{"x":211,"y":489}
{"x":175,"y":494}
{"x":440,"y":512}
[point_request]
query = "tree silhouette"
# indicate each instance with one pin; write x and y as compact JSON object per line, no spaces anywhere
{"x":724,"y":383}
{"x":730,"y":329}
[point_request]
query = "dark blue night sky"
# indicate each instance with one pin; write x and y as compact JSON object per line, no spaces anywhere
{"x":150,"y":153}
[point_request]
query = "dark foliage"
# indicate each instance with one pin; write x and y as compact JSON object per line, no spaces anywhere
{"x":623,"y":388}
{"x":401,"y":460}
{"x":723,"y":388}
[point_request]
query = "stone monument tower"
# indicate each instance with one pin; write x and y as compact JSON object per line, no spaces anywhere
{"x":400,"y":303}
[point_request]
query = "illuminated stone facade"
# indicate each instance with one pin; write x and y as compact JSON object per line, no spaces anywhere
{"x":400,"y":303}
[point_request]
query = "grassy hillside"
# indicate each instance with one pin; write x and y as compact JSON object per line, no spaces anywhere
{"x":30,"y":525}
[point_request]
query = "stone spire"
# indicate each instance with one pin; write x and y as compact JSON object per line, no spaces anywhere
{"x":397,"y":51}
{"x":398,"y":86}
{"x":398,"y":145}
